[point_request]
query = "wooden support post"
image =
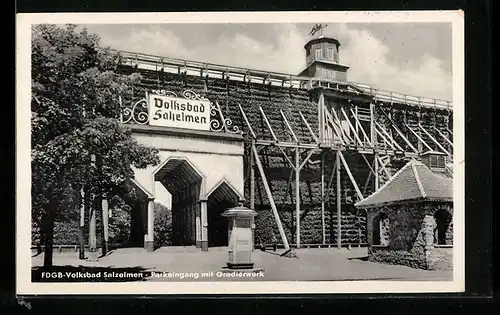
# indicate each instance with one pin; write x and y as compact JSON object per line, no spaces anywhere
{"x":268,"y":124}
{"x":297,"y":197}
{"x":355,"y":114}
{"x":323,"y":230}
{"x":434,"y":140}
{"x":356,"y":136}
{"x":399,"y":132}
{"x":377,"y":180}
{"x":270,"y":197}
{"x":383,"y":166}
{"x":321,"y":117}
{"x":339,"y":203}
{"x":368,"y":179}
{"x":247,"y":122}
{"x":252,"y":179}
{"x":335,"y":129}
{"x":372,"y":126}
{"x":419,"y":138}
{"x":389,"y":137}
{"x":308,"y":127}
{"x":351,"y":177}
{"x":339,"y":123}
{"x":444,"y":137}
{"x":360,"y":127}
{"x":289,"y":127}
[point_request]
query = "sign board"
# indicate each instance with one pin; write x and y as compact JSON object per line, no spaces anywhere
{"x":168,"y":111}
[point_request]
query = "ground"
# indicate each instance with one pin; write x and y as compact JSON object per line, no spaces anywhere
{"x":311,"y":264}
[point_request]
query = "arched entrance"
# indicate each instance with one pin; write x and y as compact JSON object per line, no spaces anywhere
{"x":184,"y":182}
{"x":224,"y":196}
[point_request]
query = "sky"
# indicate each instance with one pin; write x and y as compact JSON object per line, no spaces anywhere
{"x":409,"y":58}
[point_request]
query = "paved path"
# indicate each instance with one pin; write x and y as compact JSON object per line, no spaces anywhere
{"x":311,"y":265}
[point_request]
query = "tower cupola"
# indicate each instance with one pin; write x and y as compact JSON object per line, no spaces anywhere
{"x":322,"y":59}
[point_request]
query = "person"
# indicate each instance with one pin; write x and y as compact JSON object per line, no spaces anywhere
{"x":275,"y":242}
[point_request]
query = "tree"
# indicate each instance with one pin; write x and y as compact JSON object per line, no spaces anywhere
{"x":163,"y":225}
{"x":75,"y":111}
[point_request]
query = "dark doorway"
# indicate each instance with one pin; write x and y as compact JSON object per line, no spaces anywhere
{"x":217,"y":224}
{"x":221,"y":199}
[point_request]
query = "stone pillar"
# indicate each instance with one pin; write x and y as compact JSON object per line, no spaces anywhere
{"x":151,"y":221}
{"x":198,"y":225}
{"x":204,"y":225}
{"x":428,"y":234}
{"x":105,"y":217}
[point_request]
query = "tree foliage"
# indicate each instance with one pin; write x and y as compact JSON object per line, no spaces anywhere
{"x":162,"y":226}
{"x":75,"y":111}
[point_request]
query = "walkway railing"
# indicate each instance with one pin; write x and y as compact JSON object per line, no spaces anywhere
{"x":159,"y":63}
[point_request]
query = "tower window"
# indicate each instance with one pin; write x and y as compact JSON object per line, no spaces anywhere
{"x":330,"y":53}
{"x":318,"y":54}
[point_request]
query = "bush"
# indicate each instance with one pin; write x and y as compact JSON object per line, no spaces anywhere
{"x":119,"y":225}
{"x":162,"y":226}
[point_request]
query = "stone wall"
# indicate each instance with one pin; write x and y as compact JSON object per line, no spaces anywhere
{"x":412,"y":241}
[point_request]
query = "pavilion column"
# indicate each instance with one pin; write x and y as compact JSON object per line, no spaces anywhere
{"x":204,"y":225}
{"x":151,"y":221}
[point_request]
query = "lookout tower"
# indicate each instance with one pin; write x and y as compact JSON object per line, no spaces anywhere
{"x":322,"y":59}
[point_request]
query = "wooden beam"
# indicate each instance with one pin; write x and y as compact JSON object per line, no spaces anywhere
{"x":434,"y":140}
{"x":358,"y":123}
{"x":444,"y":137}
{"x":268,"y":124}
{"x":289,"y":127}
{"x":389,"y":137}
{"x":383,"y":166}
{"x":321,"y":118}
{"x":351,"y":177}
{"x":384,"y":138}
{"x":297,"y":197}
{"x":367,"y":163}
{"x":351,"y":126}
{"x":252,"y":179}
{"x":419,"y":138}
{"x":284,"y":144}
{"x":399,"y":132}
{"x":308,"y":127}
{"x":335,"y":128}
{"x":339,"y":123}
{"x":247,"y":122}
{"x":339,"y":203}
{"x":270,"y":197}
{"x":287,"y":158}
{"x":306,"y":159}
{"x":377,"y":179}
{"x":323,"y":229}
{"x":370,"y":175}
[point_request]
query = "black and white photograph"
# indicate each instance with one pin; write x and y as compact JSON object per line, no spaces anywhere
{"x":284,"y":152}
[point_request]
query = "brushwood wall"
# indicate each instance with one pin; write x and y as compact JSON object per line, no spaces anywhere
{"x":291,"y":101}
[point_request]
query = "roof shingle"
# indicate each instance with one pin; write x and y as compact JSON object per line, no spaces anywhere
{"x":413,"y":182}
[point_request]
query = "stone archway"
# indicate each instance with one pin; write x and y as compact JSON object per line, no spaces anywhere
{"x":224,"y":196}
{"x":185,"y":184}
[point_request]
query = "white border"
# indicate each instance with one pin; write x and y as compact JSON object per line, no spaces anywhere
{"x":23,"y":169}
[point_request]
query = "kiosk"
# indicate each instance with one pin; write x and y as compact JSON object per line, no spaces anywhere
{"x":241,"y":220}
